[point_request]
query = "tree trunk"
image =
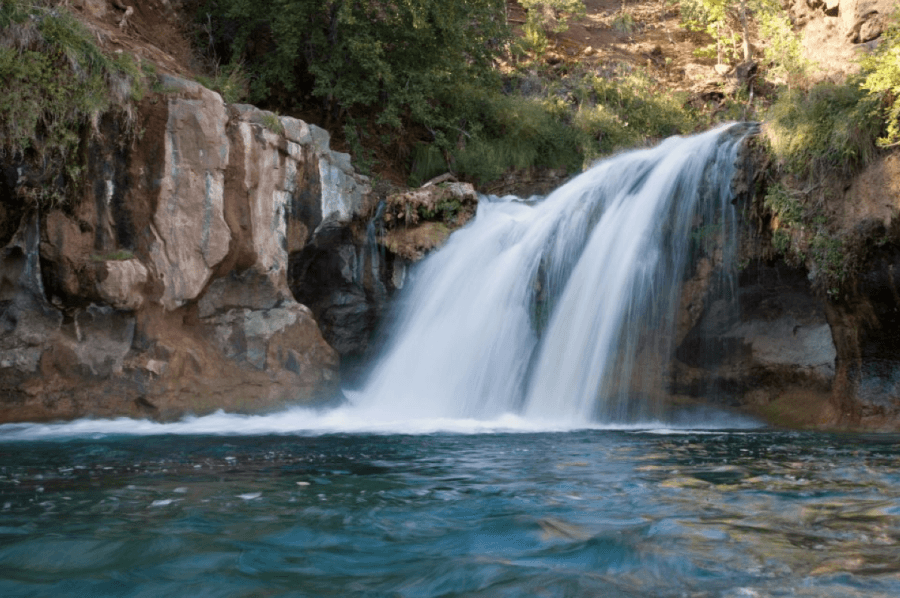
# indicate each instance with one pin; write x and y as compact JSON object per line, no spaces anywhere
{"x":745,"y":30}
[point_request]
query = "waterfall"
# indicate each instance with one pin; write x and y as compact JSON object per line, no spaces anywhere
{"x":560,"y":309}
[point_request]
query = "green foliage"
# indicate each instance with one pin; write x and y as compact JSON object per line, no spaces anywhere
{"x":882,"y":80}
{"x":624,"y":23}
{"x":444,"y":211}
{"x":721,"y":19}
{"x":55,"y":82}
{"x":625,"y":109}
{"x":354,"y":134}
{"x":783,"y":205}
{"x":829,"y":128}
{"x":781,"y":241}
{"x":829,"y":260}
{"x":513,"y":132}
{"x":783,"y":48}
{"x":273,"y":123}
{"x":231,"y":81}
{"x":400,"y":59}
{"x":548,"y":16}
{"x":427,"y":162}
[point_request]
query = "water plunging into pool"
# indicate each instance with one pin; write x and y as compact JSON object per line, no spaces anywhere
{"x":537,"y":318}
{"x":562,"y":309}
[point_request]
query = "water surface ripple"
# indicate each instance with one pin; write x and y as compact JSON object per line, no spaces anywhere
{"x":584,"y":513}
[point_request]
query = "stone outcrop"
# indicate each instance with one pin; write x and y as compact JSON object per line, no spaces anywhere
{"x":769,"y":350}
{"x":347,"y":275}
{"x":834,"y":32}
{"x":163,"y":289}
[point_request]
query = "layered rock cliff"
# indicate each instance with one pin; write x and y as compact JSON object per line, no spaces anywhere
{"x":162,"y":289}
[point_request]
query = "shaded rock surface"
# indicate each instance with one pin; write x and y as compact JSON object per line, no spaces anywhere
{"x":764,"y":352}
{"x":794,"y":354}
{"x":347,"y":275}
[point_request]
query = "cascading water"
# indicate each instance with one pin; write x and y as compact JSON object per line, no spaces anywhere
{"x":560,"y":310}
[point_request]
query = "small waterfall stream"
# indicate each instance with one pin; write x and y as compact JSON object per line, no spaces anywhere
{"x":560,"y":310}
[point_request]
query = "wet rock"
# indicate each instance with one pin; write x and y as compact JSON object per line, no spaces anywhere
{"x":778,"y":341}
{"x":864,"y":324}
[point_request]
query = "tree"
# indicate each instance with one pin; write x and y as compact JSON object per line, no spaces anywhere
{"x":726,"y":20}
{"x":397,"y":57}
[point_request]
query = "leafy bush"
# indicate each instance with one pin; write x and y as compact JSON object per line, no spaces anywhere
{"x":231,"y":81}
{"x":398,"y":58}
{"x":783,"y":205}
{"x":427,"y":162}
{"x":548,"y":16}
{"x":783,"y":48}
{"x":727,"y":21}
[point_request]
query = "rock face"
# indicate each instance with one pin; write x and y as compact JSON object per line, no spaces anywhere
{"x":833,"y":32}
{"x":163,"y":290}
{"x":865,"y":325}
{"x":793,"y":354}
{"x":347,"y":274}
{"x":769,"y":352}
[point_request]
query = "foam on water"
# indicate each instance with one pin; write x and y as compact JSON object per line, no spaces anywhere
{"x":342,"y":420}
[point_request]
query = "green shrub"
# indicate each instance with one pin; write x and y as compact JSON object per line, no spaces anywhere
{"x":783,"y":48}
{"x":231,"y":81}
{"x":829,"y":128}
{"x":783,"y":205}
{"x":398,"y":58}
{"x":641,"y":104}
{"x":427,"y":162}
{"x":507,"y":132}
{"x":548,"y":16}
{"x":830,"y":260}
{"x":273,"y":123}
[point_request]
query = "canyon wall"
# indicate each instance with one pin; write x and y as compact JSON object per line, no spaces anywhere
{"x":177,"y":281}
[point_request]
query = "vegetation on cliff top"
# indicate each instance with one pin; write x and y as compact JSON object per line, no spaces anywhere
{"x":422,"y":79}
{"x":819,"y":137}
{"x":55,"y":82}
{"x":440,"y":86}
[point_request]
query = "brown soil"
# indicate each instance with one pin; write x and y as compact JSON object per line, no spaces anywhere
{"x":638,"y":33}
{"x":156,"y":32}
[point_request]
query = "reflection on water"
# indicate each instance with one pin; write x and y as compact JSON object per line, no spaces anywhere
{"x":590,"y":513}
